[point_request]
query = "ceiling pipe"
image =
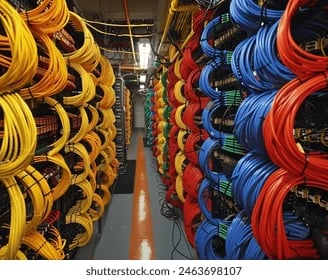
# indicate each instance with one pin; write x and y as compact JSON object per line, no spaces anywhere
{"x":174,"y":8}
{"x":127,"y":17}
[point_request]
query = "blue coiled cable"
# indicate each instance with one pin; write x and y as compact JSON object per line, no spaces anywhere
{"x":249,"y":121}
{"x":222,"y":63}
{"x":205,"y":154}
{"x":205,"y":234}
{"x":240,"y":242}
{"x":228,"y":99}
{"x":215,"y":25}
{"x":248,"y":178}
{"x":295,"y":228}
{"x":206,"y":185}
{"x":249,"y":16}
{"x":231,"y":145}
{"x":266,"y":62}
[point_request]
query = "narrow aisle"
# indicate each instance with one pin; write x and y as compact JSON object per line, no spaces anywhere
{"x":119,"y":234}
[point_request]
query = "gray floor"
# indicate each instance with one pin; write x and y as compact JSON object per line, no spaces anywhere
{"x":112,"y":234}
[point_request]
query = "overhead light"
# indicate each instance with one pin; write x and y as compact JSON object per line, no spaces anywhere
{"x":144,"y":52}
{"x":142,"y":87}
{"x":142,"y":78}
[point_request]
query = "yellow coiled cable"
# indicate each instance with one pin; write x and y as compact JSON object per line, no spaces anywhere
{"x":94,"y":117}
{"x":179,"y":188}
{"x":97,"y":209}
{"x":82,"y":166}
{"x":86,"y":201}
{"x":178,"y":91}
{"x":110,"y":153}
{"x":45,"y":188}
{"x":107,"y":76}
{"x":181,"y":139}
{"x":17,"y":218}
{"x":104,"y":136}
{"x":19,"y":135}
{"x":108,"y":96}
{"x":178,"y":116}
{"x":65,"y":180}
{"x":88,"y":55}
{"x":92,"y":176}
{"x":19,"y":255}
{"x":94,"y":142}
{"x":55,"y":239}
{"x":86,"y":93}
{"x":177,"y":65}
{"x":48,"y":17}
{"x":83,"y":127}
{"x":108,"y":175}
{"x":66,"y":127}
{"x":41,"y":246}
{"x":179,"y":161}
{"x":54,"y":78}
{"x":105,"y":194}
{"x":74,"y":216}
{"x":22,"y":63}
{"x":31,"y":187}
{"x":106,"y":118}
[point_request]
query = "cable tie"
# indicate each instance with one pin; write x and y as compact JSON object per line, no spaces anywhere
{"x":27,"y":18}
{"x":30,"y":92}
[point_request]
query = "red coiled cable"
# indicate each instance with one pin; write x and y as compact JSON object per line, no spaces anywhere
{"x":192,"y":178}
{"x":267,"y":218}
{"x":192,"y":116}
{"x":192,"y":218}
{"x":199,"y":20}
{"x":191,"y":87}
{"x":278,"y":129}
{"x":188,"y":63}
{"x":292,"y":55}
{"x":192,"y":146}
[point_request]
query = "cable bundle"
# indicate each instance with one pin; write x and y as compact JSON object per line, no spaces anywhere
{"x":249,"y":121}
{"x":280,"y":142}
{"x":240,"y":242}
{"x":277,"y":237}
{"x":219,"y":65}
{"x":311,"y":23}
{"x":250,"y":16}
{"x":191,"y":89}
{"x":206,"y":237}
{"x":188,"y":63}
{"x":192,"y":146}
{"x":18,"y":42}
{"x":213,"y":173}
{"x":191,"y":217}
{"x":191,"y":178}
{"x":218,"y":24}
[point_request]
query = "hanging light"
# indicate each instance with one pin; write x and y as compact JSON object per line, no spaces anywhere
{"x":144,"y":52}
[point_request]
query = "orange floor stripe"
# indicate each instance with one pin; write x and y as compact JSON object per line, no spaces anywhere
{"x":141,"y":239}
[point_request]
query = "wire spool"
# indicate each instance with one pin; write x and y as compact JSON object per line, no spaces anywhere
{"x":270,"y":220}
{"x":17,"y":219}
{"x":22,"y":60}
{"x":19,"y":135}
{"x":192,"y":177}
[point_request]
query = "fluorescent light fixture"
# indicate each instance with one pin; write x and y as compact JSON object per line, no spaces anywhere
{"x":142,"y":78}
{"x":144,"y":52}
{"x":142,"y":87}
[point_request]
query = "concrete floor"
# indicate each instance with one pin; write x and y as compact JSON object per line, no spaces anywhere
{"x":111,"y":240}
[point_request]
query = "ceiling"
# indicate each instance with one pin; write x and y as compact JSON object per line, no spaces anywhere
{"x":143,"y":19}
